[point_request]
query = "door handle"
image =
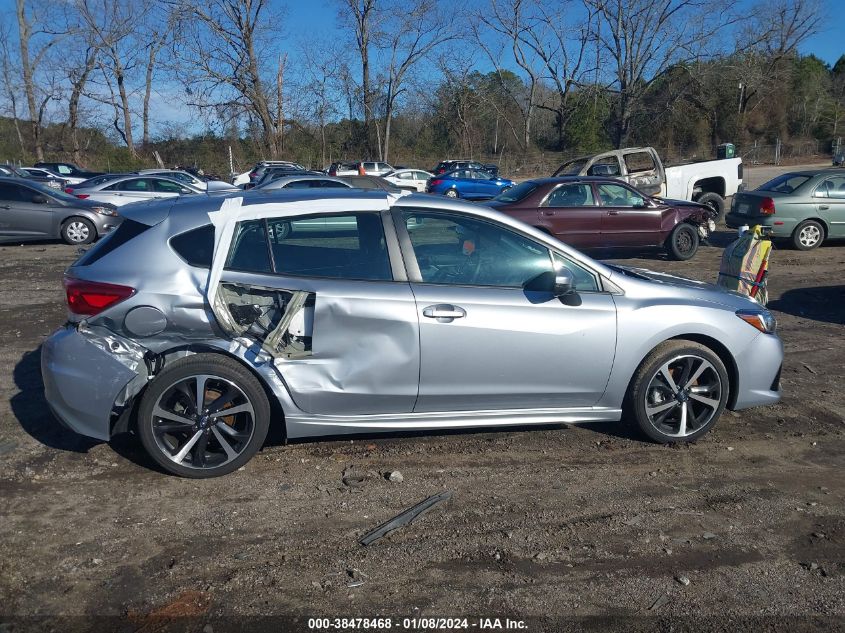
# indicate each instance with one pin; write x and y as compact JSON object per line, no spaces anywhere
{"x":824,"y":207}
{"x":547,"y":213}
{"x":444,"y":312}
{"x":5,"y":206}
{"x":613,"y":213}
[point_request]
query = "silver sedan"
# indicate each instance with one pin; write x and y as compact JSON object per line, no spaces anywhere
{"x":122,"y":190}
{"x":204,"y":321}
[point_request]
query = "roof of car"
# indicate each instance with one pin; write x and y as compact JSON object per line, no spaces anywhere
{"x":560,"y":179}
{"x":817,"y":172}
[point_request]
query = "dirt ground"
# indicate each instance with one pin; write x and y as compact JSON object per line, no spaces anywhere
{"x":563,"y":528}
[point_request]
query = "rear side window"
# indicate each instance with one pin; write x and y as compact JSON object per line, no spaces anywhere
{"x":785,"y":183}
{"x":196,"y":246}
{"x":638,"y":161}
{"x":333,"y":246}
{"x":128,"y":229}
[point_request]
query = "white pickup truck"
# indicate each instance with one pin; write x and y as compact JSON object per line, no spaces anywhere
{"x":707,"y":182}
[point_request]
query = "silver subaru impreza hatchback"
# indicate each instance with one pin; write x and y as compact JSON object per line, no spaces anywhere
{"x":200,"y":323}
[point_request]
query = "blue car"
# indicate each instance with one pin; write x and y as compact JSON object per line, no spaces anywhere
{"x":472,"y":184}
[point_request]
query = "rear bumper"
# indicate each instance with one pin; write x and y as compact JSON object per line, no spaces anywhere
{"x":83,"y":383}
{"x":781,"y":226}
{"x":758,"y":370}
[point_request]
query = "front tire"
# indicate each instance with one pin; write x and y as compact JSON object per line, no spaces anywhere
{"x":77,"y":231}
{"x":808,"y":235}
{"x":678,"y":392}
{"x":683,"y":242}
{"x":203,"y":416}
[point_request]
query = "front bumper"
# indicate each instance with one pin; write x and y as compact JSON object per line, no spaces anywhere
{"x":84,"y":383}
{"x":758,"y":373}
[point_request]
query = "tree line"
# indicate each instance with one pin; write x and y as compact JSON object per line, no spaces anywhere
{"x":85,"y":80}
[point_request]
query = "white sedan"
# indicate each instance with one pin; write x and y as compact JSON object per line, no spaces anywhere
{"x":416,"y":178}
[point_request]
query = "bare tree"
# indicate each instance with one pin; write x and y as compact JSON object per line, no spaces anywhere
{"x":415,"y":32}
{"x":113,"y":27}
{"x":10,"y":84}
{"x":549,"y":46}
{"x":30,"y":62}
{"x":360,"y":14}
{"x":643,"y":39}
{"x":160,"y":27}
{"x":226,"y":48}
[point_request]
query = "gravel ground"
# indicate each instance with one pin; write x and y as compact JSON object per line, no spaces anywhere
{"x":564,"y":528}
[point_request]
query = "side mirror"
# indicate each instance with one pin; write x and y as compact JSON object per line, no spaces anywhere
{"x":564,"y":283}
{"x":556,"y":283}
{"x":39,"y":199}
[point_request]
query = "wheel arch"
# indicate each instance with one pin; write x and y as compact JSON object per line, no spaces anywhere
{"x":821,"y":221}
{"x":710,"y":343}
{"x":714,"y":184}
{"x":128,"y":418}
{"x":76,"y":216}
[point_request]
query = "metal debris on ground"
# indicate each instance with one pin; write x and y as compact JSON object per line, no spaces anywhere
{"x":405,"y":518}
{"x":661,"y":600}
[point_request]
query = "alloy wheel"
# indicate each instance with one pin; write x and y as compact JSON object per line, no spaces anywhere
{"x":683,"y":395}
{"x":809,"y":235}
{"x":451,"y":193}
{"x":203,"y":421}
{"x":77,"y":232}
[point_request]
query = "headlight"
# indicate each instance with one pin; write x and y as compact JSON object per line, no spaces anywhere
{"x":763,"y":320}
{"x":104,"y":211}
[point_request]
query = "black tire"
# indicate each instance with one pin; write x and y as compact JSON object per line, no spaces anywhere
{"x":76,"y":231}
{"x":808,"y":235}
{"x":452,"y":193}
{"x":716,"y":204}
{"x":645,"y":388}
{"x":682,"y":243}
{"x":245,"y":432}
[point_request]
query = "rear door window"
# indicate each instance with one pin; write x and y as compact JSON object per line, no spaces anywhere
{"x":638,"y":161}
{"x":10,"y":192}
{"x":574,"y":195}
{"x":336,"y":246}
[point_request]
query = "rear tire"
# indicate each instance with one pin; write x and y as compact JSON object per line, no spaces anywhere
{"x":808,"y":235}
{"x":200,"y":442}
{"x":716,"y":203}
{"x":452,"y":193}
{"x":678,"y":392}
{"x":77,"y":231}
{"x":682,"y":243}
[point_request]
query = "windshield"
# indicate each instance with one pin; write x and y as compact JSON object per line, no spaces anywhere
{"x":785,"y":183}
{"x":572,"y":168}
{"x":517,"y":193}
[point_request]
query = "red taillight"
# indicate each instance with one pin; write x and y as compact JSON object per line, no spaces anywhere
{"x":434,"y":182}
{"x":91,"y":297}
{"x":767,"y":206}
{"x":82,"y":196}
{"x":68,"y":189}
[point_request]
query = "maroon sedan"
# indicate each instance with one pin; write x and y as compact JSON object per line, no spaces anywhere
{"x":591,"y":212}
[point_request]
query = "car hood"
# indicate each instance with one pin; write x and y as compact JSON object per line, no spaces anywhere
{"x":90,"y":204}
{"x":666,"y":285}
{"x":219,"y":185}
